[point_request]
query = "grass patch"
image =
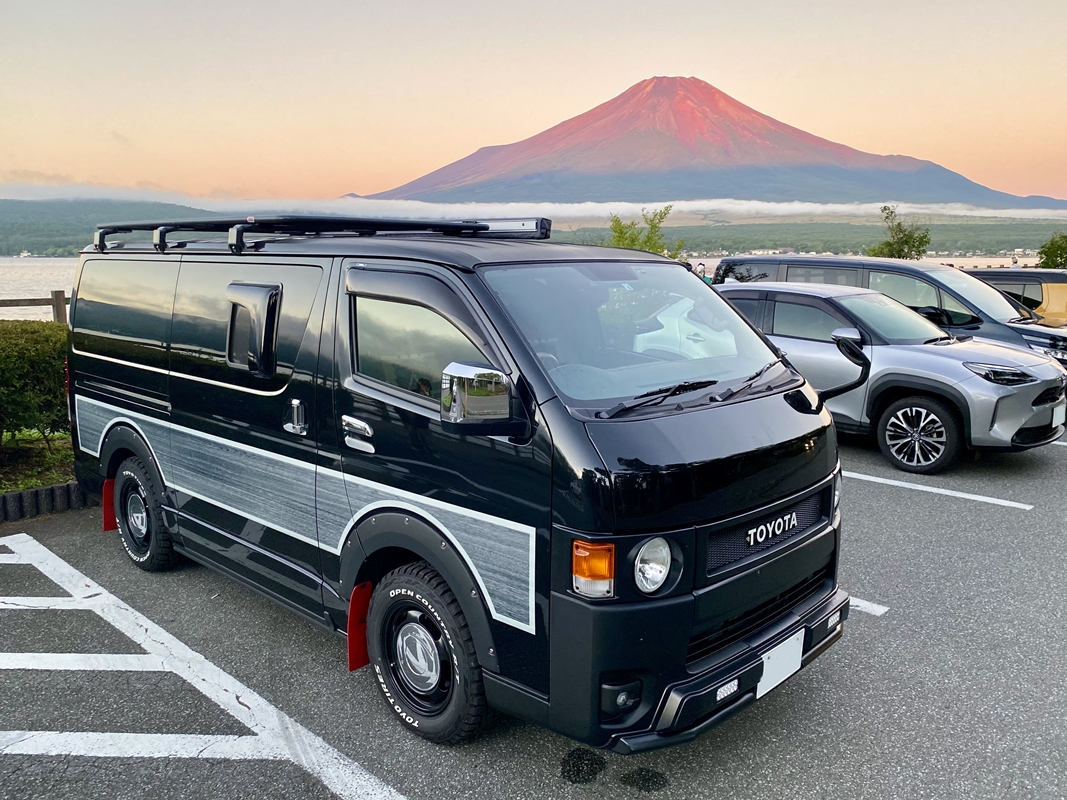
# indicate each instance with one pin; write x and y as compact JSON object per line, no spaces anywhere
{"x":30,"y":462}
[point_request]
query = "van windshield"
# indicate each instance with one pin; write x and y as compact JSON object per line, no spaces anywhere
{"x":978,"y":293}
{"x":608,"y":331}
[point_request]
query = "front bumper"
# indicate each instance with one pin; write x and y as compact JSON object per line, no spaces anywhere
{"x":650,"y":644}
{"x":692,"y":708}
{"x":1013,"y":418}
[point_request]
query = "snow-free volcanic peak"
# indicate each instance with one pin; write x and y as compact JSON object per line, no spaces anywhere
{"x":669,"y":138}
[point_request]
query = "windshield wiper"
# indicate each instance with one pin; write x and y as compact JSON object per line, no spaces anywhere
{"x":747,"y":383}
{"x":655,"y":397}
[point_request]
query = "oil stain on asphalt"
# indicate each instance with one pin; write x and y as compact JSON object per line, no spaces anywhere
{"x":644,"y":780}
{"x":582,"y":766}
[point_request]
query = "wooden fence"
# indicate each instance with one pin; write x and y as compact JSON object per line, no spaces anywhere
{"x":58,"y":301}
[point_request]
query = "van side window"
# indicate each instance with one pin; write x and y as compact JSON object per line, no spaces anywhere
{"x":834,"y":275}
{"x":407,"y":345}
{"x":956,"y":312}
{"x":1029,"y":294}
{"x":123,"y":309}
{"x":803,"y":322}
{"x":215,"y":310}
{"x":905,"y":289}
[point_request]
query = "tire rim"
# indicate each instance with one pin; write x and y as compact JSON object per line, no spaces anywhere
{"x":916,"y":437}
{"x":418,"y":659}
{"x":135,"y":516}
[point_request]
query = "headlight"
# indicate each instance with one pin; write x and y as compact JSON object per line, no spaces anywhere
{"x":652,"y":565}
{"x":837,"y":489}
{"x":1005,"y":376}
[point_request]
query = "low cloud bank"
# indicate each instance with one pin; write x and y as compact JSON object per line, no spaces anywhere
{"x":720,"y":209}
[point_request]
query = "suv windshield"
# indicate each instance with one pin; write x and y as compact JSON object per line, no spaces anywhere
{"x":894,"y":322}
{"x":978,"y":293}
{"x":607,"y":331}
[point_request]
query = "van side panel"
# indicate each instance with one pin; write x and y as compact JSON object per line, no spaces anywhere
{"x":244,"y":484}
{"x":119,"y":358}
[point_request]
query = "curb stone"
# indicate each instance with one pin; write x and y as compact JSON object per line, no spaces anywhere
{"x":44,"y":500}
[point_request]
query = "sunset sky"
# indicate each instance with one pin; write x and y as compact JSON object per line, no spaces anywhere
{"x":312,"y":100}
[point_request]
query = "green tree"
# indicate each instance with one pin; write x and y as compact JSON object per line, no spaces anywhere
{"x":905,"y":241}
{"x":650,"y":239}
{"x":1054,"y":252}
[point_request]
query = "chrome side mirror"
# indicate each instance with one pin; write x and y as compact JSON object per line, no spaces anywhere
{"x":472,"y":394}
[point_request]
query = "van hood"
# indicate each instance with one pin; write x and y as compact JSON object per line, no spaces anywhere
{"x":710,"y":463}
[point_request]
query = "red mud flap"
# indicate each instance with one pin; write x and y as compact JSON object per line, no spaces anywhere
{"x":357,"y":626}
{"x":107,"y":502}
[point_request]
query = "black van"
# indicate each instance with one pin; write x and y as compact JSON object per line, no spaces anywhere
{"x":569,"y":483}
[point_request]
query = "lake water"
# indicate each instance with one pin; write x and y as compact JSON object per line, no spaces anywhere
{"x":34,"y":277}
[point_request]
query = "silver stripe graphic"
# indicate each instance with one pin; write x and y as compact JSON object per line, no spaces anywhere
{"x":315,"y":504}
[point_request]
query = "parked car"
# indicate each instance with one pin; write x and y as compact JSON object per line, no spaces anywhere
{"x":570,"y":483}
{"x":954,"y":300}
{"x":929,"y":395}
{"x":1043,"y":291}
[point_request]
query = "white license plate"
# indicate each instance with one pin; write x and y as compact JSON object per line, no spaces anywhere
{"x":780,"y":662}
{"x":1059,"y":413}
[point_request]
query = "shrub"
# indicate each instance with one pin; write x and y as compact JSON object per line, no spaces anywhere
{"x":32,"y":385}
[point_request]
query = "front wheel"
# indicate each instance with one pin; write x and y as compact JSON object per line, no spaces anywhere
{"x":423,"y":656}
{"x":919,"y":434}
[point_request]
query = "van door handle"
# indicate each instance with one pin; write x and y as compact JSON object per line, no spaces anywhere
{"x":298,"y":421}
{"x":355,"y":429}
{"x":695,"y":337}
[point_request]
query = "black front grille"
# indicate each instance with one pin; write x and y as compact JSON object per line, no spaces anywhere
{"x":739,"y":627}
{"x":1050,"y":395}
{"x":1032,"y":435}
{"x":727,"y":545}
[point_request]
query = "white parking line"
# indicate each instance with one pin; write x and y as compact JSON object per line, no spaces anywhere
{"x":979,"y":498}
{"x":867,"y":607}
{"x":102,"y":662}
{"x":142,"y":745}
{"x":274,"y":734}
{"x":1061,"y":444}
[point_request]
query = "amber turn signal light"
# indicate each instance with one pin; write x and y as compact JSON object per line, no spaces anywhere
{"x":593,"y":569}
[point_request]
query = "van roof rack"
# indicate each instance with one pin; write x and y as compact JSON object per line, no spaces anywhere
{"x":300,"y":224}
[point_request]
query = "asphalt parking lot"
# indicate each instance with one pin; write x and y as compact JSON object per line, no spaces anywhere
{"x":959,"y":689}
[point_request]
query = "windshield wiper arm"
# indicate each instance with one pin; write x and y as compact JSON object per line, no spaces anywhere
{"x":655,"y":397}
{"x":747,"y":383}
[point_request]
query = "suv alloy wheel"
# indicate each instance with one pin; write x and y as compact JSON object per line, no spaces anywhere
{"x":919,"y":434}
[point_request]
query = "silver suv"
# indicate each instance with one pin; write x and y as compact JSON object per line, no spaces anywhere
{"x":929,"y":395}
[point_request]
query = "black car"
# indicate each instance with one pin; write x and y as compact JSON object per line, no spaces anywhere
{"x":566,"y":482}
{"x":954,"y":300}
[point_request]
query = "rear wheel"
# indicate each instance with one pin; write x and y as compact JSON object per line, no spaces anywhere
{"x":919,"y":434}
{"x":139,"y":512}
{"x":423,"y":656}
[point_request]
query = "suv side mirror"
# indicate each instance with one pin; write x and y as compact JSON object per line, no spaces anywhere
{"x":476,"y":401}
{"x":849,"y":342}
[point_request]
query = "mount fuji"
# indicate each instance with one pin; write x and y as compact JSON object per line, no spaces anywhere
{"x":669,"y":138}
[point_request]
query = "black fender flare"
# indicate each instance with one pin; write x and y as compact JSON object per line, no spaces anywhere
{"x":921,"y":386}
{"x":406,"y":530}
{"x":122,"y":436}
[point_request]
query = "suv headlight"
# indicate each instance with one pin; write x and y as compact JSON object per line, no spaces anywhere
{"x":837,"y":488}
{"x":652,"y":565}
{"x":1005,"y":376}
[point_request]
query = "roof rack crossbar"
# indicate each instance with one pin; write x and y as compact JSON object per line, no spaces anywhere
{"x":295,"y":225}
